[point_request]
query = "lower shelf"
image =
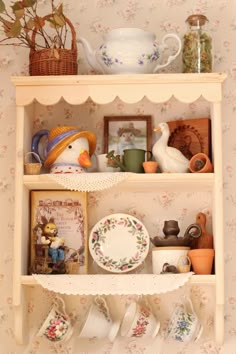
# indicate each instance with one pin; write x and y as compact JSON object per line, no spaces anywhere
{"x":110,"y":284}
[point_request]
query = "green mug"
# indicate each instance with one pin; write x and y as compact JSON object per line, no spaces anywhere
{"x":133,"y":159}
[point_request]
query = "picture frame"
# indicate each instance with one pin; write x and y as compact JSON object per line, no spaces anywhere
{"x":59,"y":232}
{"x":117,"y":129}
{"x":191,"y":136}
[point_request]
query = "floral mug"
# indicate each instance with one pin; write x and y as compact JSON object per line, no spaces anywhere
{"x":184,"y":325}
{"x":57,"y":326}
{"x":139,"y":321}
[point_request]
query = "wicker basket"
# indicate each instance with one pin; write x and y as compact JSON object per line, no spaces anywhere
{"x":184,"y":264}
{"x":45,"y":62}
{"x":32,"y":168}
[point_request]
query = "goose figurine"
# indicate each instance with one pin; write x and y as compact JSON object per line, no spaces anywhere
{"x":169,"y":158}
{"x":68,"y":149}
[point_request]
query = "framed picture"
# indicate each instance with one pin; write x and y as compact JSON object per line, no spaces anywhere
{"x":127,"y":132}
{"x":59,"y":227}
{"x":191,"y":136}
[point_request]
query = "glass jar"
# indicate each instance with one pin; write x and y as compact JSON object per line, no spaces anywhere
{"x":197,"y":46}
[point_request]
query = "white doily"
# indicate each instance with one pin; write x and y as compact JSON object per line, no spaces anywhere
{"x":127,"y":284}
{"x":89,"y":182}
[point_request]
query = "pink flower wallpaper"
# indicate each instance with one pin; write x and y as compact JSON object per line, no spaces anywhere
{"x":92,"y":19}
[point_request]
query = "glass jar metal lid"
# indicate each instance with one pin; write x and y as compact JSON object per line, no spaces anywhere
{"x":197,"y":20}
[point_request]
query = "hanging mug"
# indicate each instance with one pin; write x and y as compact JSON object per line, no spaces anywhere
{"x":98,"y":322}
{"x":57,"y":326}
{"x":184,"y":325}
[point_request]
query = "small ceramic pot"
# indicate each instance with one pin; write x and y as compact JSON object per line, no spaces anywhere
{"x":200,"y":163}
{"x":202,"y":260}
{"x":150,"y":166}
{"x":170,"y":255}
{"x":57,"y":326}
{"x":98,"y":322}
{"x":139,"y":321}
{"x":184,"y":325}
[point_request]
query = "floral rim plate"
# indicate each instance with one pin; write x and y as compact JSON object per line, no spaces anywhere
{"x":119,"y":243}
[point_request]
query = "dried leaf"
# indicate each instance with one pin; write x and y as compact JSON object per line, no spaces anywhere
{"x":19,"y":13}
{"x":59,"y":20}
{"x":39,"y":22}
{"x":17,"y":6}
{"x":59,"y":10}
{"x":30,"y":24}
{"x":2,"y":6}
{"x":12,"y":29}
{"x":29,"y":3}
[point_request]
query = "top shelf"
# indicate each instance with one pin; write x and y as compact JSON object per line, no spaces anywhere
{"x":103,"y":89}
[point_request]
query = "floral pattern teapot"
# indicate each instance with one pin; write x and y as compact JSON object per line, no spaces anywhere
{"x":129,"y":51}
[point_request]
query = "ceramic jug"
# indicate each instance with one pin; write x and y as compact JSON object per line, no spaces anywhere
{"x":129,"y":51}
{"x":66,"y":149}
{"x":132,"y":159}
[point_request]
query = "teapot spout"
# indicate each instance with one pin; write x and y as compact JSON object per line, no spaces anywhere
{"x":90,"y":54}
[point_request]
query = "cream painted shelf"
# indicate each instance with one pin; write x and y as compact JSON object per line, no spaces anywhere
{"x":138,"y":281}
{"x":137,"y":181}
{"x":103,"y":89}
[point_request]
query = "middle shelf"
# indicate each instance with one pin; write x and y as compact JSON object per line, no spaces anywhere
{"x":136,"y":181}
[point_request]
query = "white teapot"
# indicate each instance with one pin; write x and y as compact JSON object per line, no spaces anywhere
{"x":129,"y":51}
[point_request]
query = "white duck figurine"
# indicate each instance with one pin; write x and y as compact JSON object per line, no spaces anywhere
{"x":169,"y":158}
{"x":68,"y":149}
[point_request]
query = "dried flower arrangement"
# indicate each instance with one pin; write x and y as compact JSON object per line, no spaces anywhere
{"x":23,"y":26}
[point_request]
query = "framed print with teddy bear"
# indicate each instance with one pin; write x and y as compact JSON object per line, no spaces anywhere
{"x":59,"y":228}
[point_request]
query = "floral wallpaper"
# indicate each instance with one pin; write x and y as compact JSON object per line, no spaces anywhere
{"x":92,"y":19}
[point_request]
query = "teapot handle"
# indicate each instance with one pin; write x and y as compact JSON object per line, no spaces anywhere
{"x":164,"y":46}
{"x":35,"y":143}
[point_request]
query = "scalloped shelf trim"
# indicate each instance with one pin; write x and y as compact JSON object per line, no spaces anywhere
{"x":104,"y":89}
{"x":125,"y":284}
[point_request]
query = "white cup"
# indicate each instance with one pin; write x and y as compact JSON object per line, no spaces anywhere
{"x":102,"y":165}
{"x":184,"y":325}
{"x":139,"y":321}
{"x":98,"y":322}
{"x":57,"y":326}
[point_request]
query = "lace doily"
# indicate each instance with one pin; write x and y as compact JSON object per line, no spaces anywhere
{"x":125,"y":284}
{"x":89,"y":182}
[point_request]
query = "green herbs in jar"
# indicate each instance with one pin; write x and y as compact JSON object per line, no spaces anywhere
{"x":197,"y":47}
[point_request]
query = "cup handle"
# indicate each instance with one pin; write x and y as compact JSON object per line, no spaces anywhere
{"x":148,"y":152}
{"x":188,"y":300}
{"x":102,"y":304}
{"x":59,"y":304}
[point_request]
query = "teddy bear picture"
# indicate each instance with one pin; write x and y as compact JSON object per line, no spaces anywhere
{"x":58,"y":232}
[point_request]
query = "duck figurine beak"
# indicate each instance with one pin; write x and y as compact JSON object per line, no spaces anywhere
{"x":84,"y":159}
{"x":158,"y":129}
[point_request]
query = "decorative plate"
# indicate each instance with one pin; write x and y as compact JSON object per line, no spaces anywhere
{"x":119,"y":243}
